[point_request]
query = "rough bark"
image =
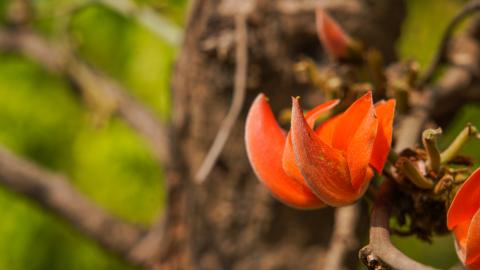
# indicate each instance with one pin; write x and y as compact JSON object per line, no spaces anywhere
{"x":231,"y":222}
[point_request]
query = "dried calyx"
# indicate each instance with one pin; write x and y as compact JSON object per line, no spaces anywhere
{"x":428,"y":179}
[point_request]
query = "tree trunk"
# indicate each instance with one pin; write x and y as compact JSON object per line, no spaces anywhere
{"x":231,"y":221}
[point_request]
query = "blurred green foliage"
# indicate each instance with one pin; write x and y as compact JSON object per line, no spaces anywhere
{"x":43,"y":119}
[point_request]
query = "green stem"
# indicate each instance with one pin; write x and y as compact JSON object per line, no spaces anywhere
{"x":452,"y":151}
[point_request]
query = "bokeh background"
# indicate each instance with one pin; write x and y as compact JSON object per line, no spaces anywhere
{"x":42,"y":118}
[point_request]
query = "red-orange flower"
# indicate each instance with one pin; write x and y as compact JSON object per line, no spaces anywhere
{"x":335,"y":41}
{"x":464,"y":219}
{"x":331,"y":165}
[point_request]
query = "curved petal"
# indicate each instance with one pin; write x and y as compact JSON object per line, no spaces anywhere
{"x":265,"y":141}
{"x":472,"y":260}
{"x":385,"y":112}
{"x":461,"y":231}
{"x":359,"y":151}
{"x":288,"y":160}
{"x":331,"y":35}
{"x":326,"y":129}
{"x":350,"y":120}
{"x":312,"y":115}
{"x":466,"y":202}
{"x":325,"y":169}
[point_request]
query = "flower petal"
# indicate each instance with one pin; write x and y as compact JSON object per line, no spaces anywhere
{"x":461,"y":231}
{"x":326,"y":129}
{"x":265,"y":141}
{"x":325,"y":169}
{"x":385,"y":112}
{"x":350,"y":120}
{"x":359,"y":151}
{"x":289,"y":164}
{"x":288,"y":161}
{"x":312,"y":115}
{"x":472,"y":260}
{"x":331,"y":35}
{"x":466,"y":203}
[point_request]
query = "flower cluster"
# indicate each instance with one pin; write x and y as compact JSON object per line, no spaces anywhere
{"x":333,"y":163}
{"x":330,"y":165}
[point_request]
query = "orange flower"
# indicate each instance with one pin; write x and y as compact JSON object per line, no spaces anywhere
{"x":335,"y":41}
{"x":307,"y":168}
{"x":464,"y":219}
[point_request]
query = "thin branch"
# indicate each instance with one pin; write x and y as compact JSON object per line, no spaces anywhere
{"x":458,"y":84}
{"x":54,"y":193}
{"x":343,"y":237}
{"x":380,"y":252}
{"x":147,"y":249}
{"x":92,"y":82}
{"x":458,"y":78}
{"x":440,"y":55}
{"x":148,"y":17}
{"x":239,"y":89}
{"x":305,"y":6}
{"x":144,"y":15}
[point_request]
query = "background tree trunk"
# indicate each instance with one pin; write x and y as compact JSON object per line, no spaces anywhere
{"x":231,"y":221}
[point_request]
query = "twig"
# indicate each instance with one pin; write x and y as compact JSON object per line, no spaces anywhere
{"x":147,"y":17}
{"x":53,"y":192}
{"x":240,"y":84}
{"x":147,"y":249}
{"x":292,"y":7}
{"x":440,"y":56}
{"x":163,"y":28}
{"x":451,"y":91}
{"x":343,"y":237}
{"x":88,"y":80}
{"x":380,"y":252}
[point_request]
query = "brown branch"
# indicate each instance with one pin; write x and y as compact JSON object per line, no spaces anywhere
{"x":459,"y":78}
{"x":91,"y":82}
{"x":302,"y":6}
{"x":380,"y":253}
{"x":54,"y":193}
{"x":343,"y":237}
{"x":239,"y":88}
{"x":148,"y":17}
{"x":440,"y":55}
{"x":458,"y":85}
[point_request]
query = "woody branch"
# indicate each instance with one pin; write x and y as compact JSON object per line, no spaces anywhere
{"x":54,"y":192}
{"x":458,"y":85}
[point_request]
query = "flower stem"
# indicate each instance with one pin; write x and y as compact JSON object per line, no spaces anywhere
{"x":452,"y":151}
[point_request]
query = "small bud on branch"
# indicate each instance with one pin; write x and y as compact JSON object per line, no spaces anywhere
{"x":452,"y":151}
{"x":429,"y":138}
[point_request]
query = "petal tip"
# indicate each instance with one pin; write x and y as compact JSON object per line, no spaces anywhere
{"x":331,"y":35}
